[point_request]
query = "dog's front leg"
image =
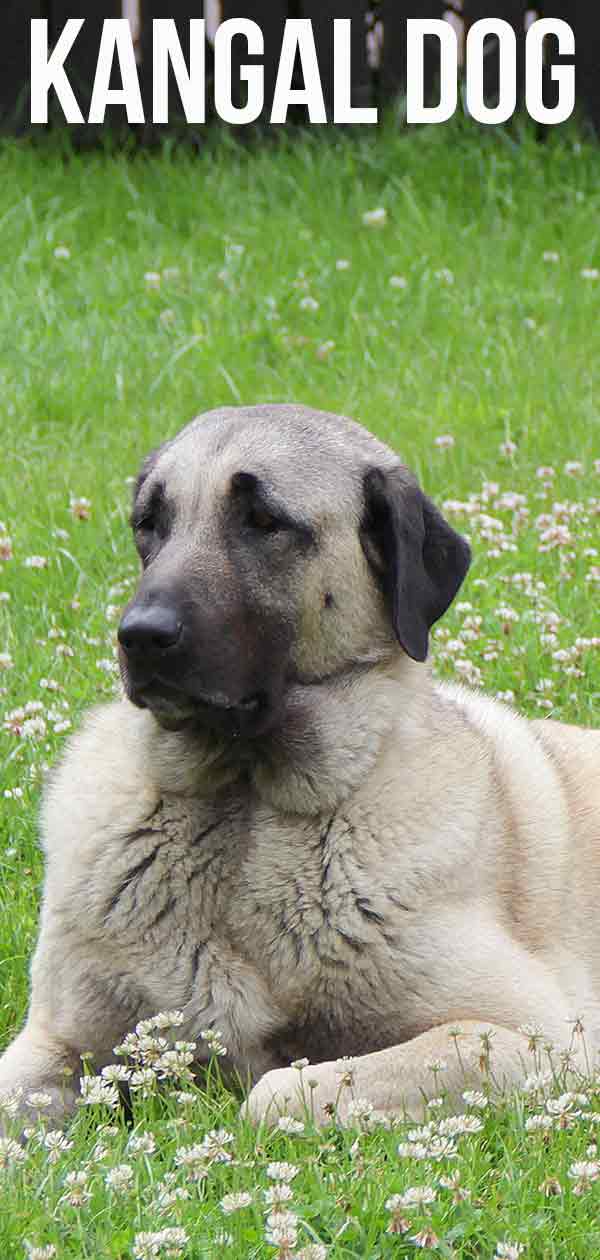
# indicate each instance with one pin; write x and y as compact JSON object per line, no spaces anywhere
{"x":397,"y":1081}
{"x":37,"y":1062}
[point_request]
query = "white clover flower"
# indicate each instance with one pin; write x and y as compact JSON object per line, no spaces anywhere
{"x":6,"y":660}
{"x":115,"y":1072}
{"x":282,"y":1171}
{"x":234,"y":1202}
{"x":214,"y":1041}
{"x":169,"y":1242}
{"x":214,"y":1146}
{"x":97,"y":1092}
{"x":324,"y":350}
{"x":152,"y":279}
{"x":62,"y":252}
{"x":107,"y":665}
{"x":475,"y":1098}
{"x":398,"y":282}
{"x":414,"y":1197}
{"x":342,"y":264}
{"x":281,"y":1230}
{"x":584,"y":1172}
{"x":77,"y":1193}
{"x":508,"y":1251}
{"x":452,"y":1182}
{"x":360,"y":1111}
{"x":120,"y":1178}
{"x":375,"y":218}
{"x":287,"y":1124}
{"x":36,"y":562}
{"x":278,"y":1193}
{"x":559,"y":1106}
{"x":143,"y":1143}
{"x":11,"y":1153}
{"x":456,"y":1126}
{"x":56,"y":1144}
{"x":195,"y":1160}
{"x":175,"y":1063}
{"x":166,"y":1197}
{"x":159,"y":1022}
{"x":144,"y":1080}
{"x":40,"y":1100}
{"x":425,"y":1238}
{"x":534,"y":1124}
{"x":413,"y":1150}
{"x":80,"y":508}
{"x":309,"y":303}
{"x":444,"y":441}
{"x":344,"y":1070}
{"x":441,"y":1147}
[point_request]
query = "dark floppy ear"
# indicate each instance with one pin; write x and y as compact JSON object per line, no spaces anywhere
{"x":420,"y":560}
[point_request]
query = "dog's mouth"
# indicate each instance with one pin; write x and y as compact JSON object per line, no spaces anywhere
{"x":174,"y":708}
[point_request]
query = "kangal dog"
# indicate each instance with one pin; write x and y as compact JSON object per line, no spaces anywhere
{"x":286,"y":828}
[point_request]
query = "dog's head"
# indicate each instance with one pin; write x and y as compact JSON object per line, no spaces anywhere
{"x":278,"y":545}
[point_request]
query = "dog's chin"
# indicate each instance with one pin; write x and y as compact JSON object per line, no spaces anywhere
{"x":210,"y":712}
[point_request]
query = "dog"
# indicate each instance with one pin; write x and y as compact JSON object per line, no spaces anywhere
{"x":285,"y":827}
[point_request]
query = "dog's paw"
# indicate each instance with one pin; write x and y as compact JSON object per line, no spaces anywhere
{"x":276,"y":1094}
{"x":307,"y":1094}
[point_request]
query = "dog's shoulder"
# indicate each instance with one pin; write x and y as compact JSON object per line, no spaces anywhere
{"x":575,"y":753}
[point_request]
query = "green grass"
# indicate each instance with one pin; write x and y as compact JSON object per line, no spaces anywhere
{"x":97,"y":365}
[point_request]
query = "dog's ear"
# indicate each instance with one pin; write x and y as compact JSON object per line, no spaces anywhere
{"x":420,"y":560}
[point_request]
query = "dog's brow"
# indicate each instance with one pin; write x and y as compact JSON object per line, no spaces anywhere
{"x":261,"y":492}
{"x":151,"y":498}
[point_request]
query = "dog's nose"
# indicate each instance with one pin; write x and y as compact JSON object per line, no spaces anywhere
{"x":149,"y":630}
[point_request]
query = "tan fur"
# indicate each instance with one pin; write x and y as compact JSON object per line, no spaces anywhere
{"x":404,"y":857}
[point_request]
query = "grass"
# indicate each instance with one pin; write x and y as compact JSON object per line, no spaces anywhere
{"x":139,"y":291}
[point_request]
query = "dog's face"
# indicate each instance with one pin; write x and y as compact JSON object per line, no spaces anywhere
{"x":279,"y":546}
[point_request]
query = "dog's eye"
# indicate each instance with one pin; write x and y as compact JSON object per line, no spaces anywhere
{"x":261,"y":519}
{"x":146,"y":525}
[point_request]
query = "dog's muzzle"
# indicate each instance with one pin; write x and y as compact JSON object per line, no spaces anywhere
{"x":159,"y":675}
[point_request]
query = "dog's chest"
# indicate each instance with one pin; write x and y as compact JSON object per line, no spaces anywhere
{"x":220,"y":905}
{"x":323,"y":919}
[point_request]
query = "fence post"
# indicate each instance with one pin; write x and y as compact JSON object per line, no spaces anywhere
{"x":322,"y":17}
{"x":15,"y":58}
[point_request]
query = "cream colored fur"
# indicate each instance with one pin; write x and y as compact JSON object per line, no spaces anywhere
{"x":404,"y":858}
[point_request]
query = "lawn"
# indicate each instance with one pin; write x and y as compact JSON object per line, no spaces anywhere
{"x":444,"y":289}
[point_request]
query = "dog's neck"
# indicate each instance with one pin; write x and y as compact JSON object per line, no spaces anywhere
{"x":326,"y":746}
